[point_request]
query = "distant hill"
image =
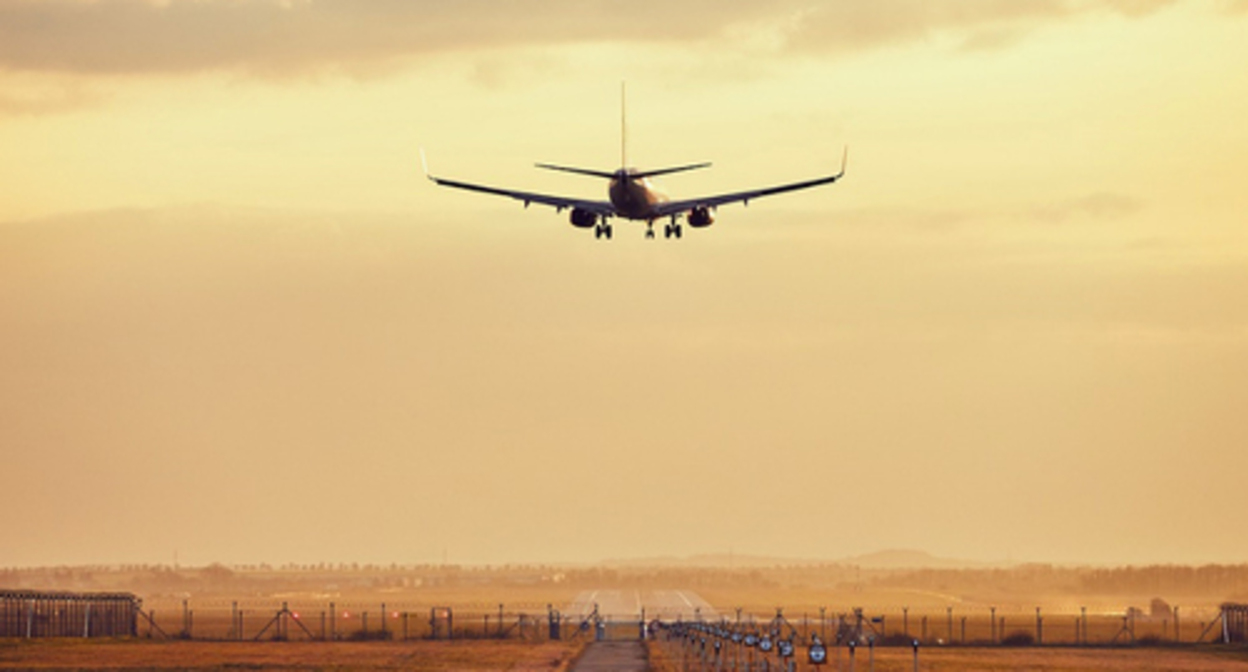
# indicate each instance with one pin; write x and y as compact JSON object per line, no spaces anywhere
{"x":887,"y":559}
{"x":909,"y":559}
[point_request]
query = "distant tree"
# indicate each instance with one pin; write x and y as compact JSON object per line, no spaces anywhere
{"x":1159,"y":608}
{"x":217,"y":573}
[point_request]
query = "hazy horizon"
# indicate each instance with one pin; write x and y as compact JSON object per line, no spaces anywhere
{"x":237,"y":323}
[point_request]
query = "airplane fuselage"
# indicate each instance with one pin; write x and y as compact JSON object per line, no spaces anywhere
{"x":634,"y":198}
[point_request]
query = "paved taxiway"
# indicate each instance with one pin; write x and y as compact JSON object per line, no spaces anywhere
{"x":627,"y":604}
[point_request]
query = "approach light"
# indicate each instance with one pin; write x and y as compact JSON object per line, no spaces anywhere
{"x":818,"y":653}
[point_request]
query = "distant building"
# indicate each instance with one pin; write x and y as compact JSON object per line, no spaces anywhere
{"x":1235,"y":623}
{"x":32,"y":613}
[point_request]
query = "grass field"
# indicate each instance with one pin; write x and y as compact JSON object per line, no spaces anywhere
{"x":305,"y":656}
{"x":667,"y":658}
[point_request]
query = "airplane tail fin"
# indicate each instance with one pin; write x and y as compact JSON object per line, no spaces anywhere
{"x":623,"y":126}
{"x":636,"y":175}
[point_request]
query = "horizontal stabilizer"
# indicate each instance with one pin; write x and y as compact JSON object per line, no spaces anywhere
{"x":578,"y":171}
{"x":668,"y":171}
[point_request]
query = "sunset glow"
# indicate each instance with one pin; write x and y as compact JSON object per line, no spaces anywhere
{"x":238,"y":325}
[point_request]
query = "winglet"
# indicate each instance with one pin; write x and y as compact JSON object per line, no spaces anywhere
{"x":424,"y":163}
{"x":844,"y":161}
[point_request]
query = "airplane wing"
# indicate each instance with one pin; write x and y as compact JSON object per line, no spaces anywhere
{"x":685,"y":205}
{"x":601,"y":208}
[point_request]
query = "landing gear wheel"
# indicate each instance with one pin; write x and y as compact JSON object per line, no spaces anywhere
{"x":676,"y":228}
{"x":667,"y":230}
{"x":606,"y":230}
{"x":597,"y":232}
{"x":649,"y":234}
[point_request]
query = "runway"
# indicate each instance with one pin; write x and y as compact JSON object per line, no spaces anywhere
{"x":628,"y":604}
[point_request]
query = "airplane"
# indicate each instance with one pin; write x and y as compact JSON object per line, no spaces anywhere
{"x":633,"y":196}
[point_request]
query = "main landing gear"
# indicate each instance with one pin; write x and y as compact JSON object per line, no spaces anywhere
{"x":672,"y":230}
{"x":602,"y":231}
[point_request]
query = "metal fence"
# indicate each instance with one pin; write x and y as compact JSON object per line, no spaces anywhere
{"x":260,"y":620}
{"x":26,"y":613}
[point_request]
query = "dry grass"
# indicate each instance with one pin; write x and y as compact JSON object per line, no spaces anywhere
{"x":337,"y":656}
{"x":665,"y":658}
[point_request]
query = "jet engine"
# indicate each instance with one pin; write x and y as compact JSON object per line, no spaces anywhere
{"x":700,"y":217}
{"x":583,"y":218}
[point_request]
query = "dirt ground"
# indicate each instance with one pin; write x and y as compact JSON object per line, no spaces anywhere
{"x":304,"y":656}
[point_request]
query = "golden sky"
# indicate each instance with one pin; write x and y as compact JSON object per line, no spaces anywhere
{"x":237,"y":323}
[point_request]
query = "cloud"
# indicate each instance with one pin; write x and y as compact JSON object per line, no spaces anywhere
{"x":125,"y":36}
{"x":853,"y":26}
{"x":21,"y":96}
{"x":1098,"y":206}
{"x":281,"y":36}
